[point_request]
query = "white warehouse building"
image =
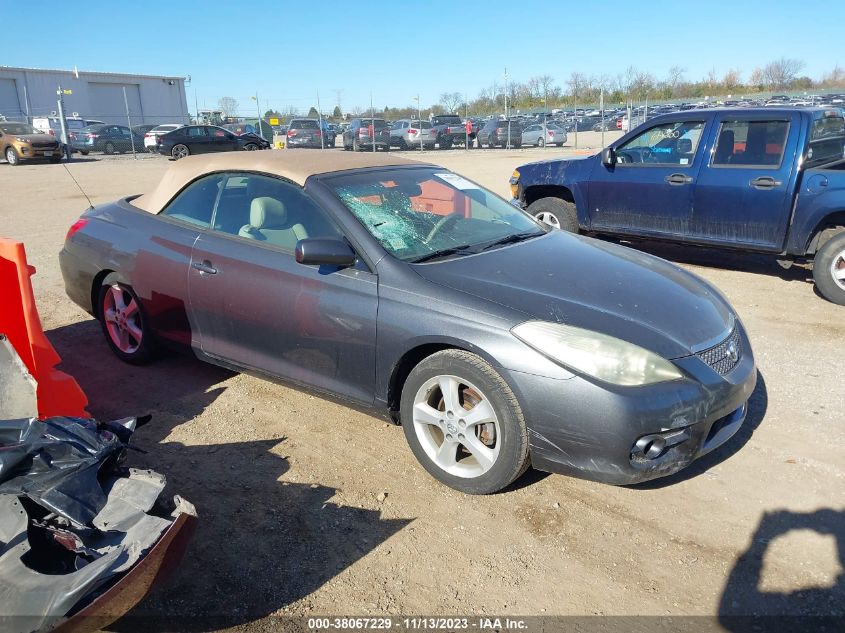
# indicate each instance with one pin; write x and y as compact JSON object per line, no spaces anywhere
{"x":26,"y":93}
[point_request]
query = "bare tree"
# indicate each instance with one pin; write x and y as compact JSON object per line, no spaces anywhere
{"x":732,"y":80}
{"x":782,"y":72}
{"x":451,"y":101}
{"x":229,"y":106}
{"x":834,"y":78}
{"x":757,"y":79}
{"x":675,"y":78}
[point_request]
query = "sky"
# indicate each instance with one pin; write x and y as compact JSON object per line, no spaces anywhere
{"x":288,"y":52}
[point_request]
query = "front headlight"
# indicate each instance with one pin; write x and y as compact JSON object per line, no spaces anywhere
{"x":22,"y":139}
{"x":598,"y":355}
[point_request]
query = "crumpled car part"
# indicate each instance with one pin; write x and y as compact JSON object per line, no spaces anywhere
{"x":72,"y":519}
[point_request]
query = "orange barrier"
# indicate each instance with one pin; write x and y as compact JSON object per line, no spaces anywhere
{"x":58,"y":393}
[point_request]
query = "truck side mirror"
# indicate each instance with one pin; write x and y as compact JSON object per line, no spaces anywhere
{"x":608,"y":157}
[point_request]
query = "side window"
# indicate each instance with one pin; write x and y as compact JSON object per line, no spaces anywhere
{"x":668,"y":144}
{"x":270,"y":211}
{"x":196,"y":132}
{"x":195,"y":203}
{"x":750,"y":144}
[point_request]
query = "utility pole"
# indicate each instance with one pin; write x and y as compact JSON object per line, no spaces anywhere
{"x":373,"y":121}
{"x":129,"y":124}
{"x":65,"y":139}
{"x":320,"y":119}
{"x":507,"y":116}
{"x":601,"y":105}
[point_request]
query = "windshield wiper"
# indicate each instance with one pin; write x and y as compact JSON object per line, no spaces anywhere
{"x":512,"y":239}
{"x":443,"y":253}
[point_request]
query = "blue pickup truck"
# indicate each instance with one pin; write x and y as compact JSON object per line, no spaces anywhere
{"x":764,"y":180}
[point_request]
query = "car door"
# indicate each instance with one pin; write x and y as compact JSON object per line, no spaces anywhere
{"x":744,"y":193}
{"x":220,"y":140}
{"x":256,"y":307}
{"x":197,"y":140}
{"x":649,"y":190}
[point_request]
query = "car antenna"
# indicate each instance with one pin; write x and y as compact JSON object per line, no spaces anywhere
{"x":90,"y":204}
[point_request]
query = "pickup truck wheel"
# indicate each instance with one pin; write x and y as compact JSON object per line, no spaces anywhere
{"x":560,"y":214}
{"x":445,"y":143}
{"x":829,"y":269}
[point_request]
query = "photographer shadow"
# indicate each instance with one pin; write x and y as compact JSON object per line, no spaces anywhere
{"x":261,"y":543}
{"x":744,"y":607}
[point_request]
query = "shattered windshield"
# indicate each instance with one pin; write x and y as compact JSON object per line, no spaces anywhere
{"x":417,"y":214}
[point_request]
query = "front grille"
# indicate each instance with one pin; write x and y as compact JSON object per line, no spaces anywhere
{"x":45,"y":145}
{"x":724,"y":356}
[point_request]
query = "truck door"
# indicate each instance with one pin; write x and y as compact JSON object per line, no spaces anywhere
{"x":744,"y":191}
{"x":649,"y":191}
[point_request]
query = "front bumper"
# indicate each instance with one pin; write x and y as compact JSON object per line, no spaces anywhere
{"x":627,"y":435}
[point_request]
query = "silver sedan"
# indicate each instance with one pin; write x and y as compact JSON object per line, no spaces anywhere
{"x":533,"y":135}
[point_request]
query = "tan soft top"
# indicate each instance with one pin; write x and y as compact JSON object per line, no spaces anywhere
{"x":296,"y":166}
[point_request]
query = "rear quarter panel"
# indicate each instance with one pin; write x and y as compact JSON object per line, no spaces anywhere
{"x":821,"y":193}
{"x":145,"y":251}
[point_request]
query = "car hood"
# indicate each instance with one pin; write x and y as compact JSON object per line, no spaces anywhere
{"x":36,"y":138}
{"x":591,"y":284}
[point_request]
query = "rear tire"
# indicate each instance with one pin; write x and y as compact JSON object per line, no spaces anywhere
{"x":829,"y":269}
{"x":556,"y":212}
{"x":356,"y":146}
{"x":482,"y":446}
{"x":541,"y":142}
{"x":180,"y":151}
{"x":108,"y":148}
{"x":124,"y":323}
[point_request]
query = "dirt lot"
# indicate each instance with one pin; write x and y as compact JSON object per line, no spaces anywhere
{"x":310,"y":508}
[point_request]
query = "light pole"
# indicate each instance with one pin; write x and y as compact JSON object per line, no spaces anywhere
{"x":419,"y":116}
{"x":507,"y":116}
{"x":258,"y":111}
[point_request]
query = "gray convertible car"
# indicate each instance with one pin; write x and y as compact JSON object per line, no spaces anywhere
{"x":496,"y":342}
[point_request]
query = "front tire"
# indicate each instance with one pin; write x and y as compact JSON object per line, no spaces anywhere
{"x":123,"y":322}
{"x":463,"y":423}
{"x":829,"y":269}
{"x":250,"y":147}
{"x":558,"y":213}
{"x":541,"y":141}
{"x":12,"y":157}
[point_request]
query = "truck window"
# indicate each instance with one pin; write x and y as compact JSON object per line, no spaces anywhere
{"x":827,"y":139}
{"x":667,"y":144}
{"x":750,"y":144}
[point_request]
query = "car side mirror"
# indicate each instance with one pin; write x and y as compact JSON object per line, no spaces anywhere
{"x":608,"y":157}
{"x":319,"y":252}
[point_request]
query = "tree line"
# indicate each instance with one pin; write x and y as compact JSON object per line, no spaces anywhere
{"x":580,"y":89}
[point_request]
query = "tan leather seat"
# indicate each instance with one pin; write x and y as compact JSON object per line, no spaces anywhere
{"x":268,"y":221}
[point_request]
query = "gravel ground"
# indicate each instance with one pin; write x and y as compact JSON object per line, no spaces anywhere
{"x":310,"y":508}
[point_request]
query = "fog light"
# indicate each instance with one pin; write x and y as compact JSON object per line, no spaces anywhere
{"x":655,"y":445}
{"x":650,"y":446}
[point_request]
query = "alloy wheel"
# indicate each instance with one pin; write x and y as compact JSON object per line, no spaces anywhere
{"x":548,"y":218}
{"x":123,"y":319}
{"x":457,"y":426}
{"x":837,"y":269}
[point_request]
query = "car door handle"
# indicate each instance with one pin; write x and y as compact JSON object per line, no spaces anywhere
{"x":678,"y":179}
{"x":765,"y":182}
{"x":204,"y":267}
